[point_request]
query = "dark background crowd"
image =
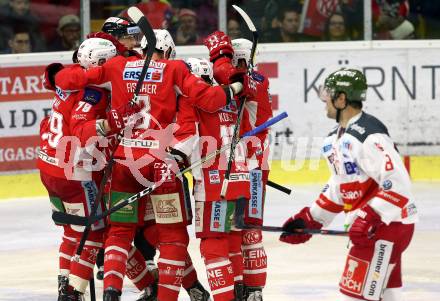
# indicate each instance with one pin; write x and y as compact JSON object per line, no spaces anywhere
{"x":49,"y":25}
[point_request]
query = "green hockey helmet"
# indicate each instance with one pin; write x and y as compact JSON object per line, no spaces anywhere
{"x":352,"y":82}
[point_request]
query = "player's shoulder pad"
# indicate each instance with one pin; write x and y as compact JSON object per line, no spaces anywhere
{"x":365,"y":126}
{"x":257,"y":76}
{"x":92,"y":95}
{"x":187,"y":66}
{"x":178,"y":64}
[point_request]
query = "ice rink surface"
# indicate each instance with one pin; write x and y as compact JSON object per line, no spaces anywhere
{"x":29,"y":242}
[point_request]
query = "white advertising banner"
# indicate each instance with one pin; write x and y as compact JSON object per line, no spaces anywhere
{"x":404,"y":93}
{"x":403,"y":79}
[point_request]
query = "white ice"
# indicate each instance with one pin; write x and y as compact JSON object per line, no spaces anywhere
{"x":29,"y":242}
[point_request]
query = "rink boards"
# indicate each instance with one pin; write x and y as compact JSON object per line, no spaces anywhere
{"x":403,"y":93}
{"x":422,"y":168}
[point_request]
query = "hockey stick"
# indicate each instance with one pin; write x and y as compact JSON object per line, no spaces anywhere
{"x":254,"y":31}
{"x":138,"y":17}
{"x":65,"y":218}
{"x":234,"y":141}
{"x":279,"y":187}
{"x":240,"y":207}
{"x":251,"y":66}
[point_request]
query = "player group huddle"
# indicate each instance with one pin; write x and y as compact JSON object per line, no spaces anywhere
{"x":100,"y":146}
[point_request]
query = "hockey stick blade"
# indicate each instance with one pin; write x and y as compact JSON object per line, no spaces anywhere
{"x":254,"y":31}
{"x":65,"y":218}
{"x":239,"y":213}
{"x":279,"y":187}
{"x":245,"y":17}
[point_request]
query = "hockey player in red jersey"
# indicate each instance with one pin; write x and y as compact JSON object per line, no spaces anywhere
{"x":125,"y":35}
{"x":370,"y":184}
{"x":66,"y":168}
{"x":230,"y":59}
{"x":141,"y":157}
{"x":126,"y":32}
{"x":200,"y":133}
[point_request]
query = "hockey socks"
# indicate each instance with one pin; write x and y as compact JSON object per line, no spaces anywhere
{"x":255,"y":260}
{"x":66,"y":252}
{"x":171,"y":264}
{"x":189,"y":274}
{"x":116,"y":251}
{"x":219,"y":270}
{"x":81,"y":269}
{"x":137,"y":270}
{"x":235,"y":255}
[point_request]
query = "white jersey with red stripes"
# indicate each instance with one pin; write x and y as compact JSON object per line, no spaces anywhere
{"x":366,"y":168}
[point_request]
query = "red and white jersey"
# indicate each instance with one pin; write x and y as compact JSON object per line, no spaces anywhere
{"x":200,"y":133}
{"x":164,"y":81}
{"x":60,"y":151}
{"x":258,"y":111}
{"x":365,"y":169}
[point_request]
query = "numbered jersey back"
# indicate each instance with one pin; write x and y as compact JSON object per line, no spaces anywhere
{"x":56,"y":138}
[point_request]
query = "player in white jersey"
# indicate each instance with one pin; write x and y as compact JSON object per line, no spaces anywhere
{"x":370,"y":184}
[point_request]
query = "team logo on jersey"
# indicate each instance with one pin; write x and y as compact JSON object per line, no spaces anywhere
{"x":326,"y":148}
{"x":346,"y":145}
{"x":358,"y":128}
{"x":221,"y":216}
{"x":92,"y":96}
{"x":251,"y":237}
{"x":167,"y":208}
{"x":387,"y":184}
{"x":256,"y":201}
{"x":257,"y":76}
{"x":153,"y":74}
{"x":214,"y":177}
{"x":63,"y":95}
{"x":239,"y":177}
{"x":231,"y":107}
{"x":218,"y":216}
{"x":350,"y":168}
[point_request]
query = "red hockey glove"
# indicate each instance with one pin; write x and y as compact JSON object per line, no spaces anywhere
{"x":120,"y":48}
{"x":49,"y":75}
{"x":225,"y":73}
{"x":301,"y":220}
{"x":364,"y":227}
{"x":249,"y":88}
{"x":219,"y":44}
{"x":117,"y":118}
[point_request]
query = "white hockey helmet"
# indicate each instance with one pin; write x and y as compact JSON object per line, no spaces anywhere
{"x":201,"y":68}
{"x":242,"y":50}
{"x":164,"y":42}
{"x":95,"y":51}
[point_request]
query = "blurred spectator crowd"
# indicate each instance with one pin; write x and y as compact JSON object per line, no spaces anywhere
{"x":39,"y":25}
{"x":49,"y":25}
